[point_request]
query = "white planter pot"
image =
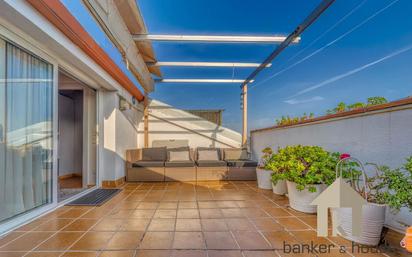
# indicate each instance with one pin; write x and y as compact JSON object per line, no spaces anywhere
{"x":280,"y":187}
{"x":301,"y":200}
{"x":264,"y":178}
{"x":373,"y":218}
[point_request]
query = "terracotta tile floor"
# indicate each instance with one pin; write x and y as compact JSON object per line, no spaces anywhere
{"x":215,"y":219}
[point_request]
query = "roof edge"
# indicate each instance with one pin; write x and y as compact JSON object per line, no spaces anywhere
{"x":379,"y":107}
{"x":57,"y":14}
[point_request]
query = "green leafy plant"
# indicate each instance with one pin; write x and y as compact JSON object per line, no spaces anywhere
{"x":392,"y":187}
{"x":375,"y":100}
{"x":355,"y":106}
{"x":305,"y":165}
{"x":287,"y":120}
{"x":341,"y":107}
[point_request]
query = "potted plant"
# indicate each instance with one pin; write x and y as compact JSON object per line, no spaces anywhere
{"x":262,"y":172}
{"x":387,"y":188}
{"x":308,"y":170}
{"x":274,"y":163}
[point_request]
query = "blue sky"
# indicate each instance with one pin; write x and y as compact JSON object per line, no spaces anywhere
{"x":356,"y":49}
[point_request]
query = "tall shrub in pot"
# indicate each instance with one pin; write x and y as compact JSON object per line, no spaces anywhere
{"x":386,"y":188}
{"x":263,"y":173}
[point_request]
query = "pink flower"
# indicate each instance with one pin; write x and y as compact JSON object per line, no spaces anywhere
{"x":344,"y":156}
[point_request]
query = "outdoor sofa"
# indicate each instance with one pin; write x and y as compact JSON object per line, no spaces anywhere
{"x":186,"y":164}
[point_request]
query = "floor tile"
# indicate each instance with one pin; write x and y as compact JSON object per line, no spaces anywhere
{"x":239,"y":224}
{"x":165,"y":214}
{"x":249,"y":240}
{"x":220,"y":253}
{"x":26,"y":242}
{"x":108,"y":225}
{"x":157,"y":240}
{"x":59,"y":242}
{"x":259,"y":254}
{"x":278,"y":238}
{"x":188,"y":240}
{"x":220,"y":240}
{"x":168,"y":205}
{"x":187,"y":205}
{"x":187,"y":214}
{"x":142,"y":214}
{"x":124,"y":241}
{"x":214,"y":225}
{"x":134,"y":224}
{"x":210,"y":213}
{"x":292,"y":223}
{"x":162,"y":225}
{"x":9,"y":237}
{"x":43,"y":254}
{"x":117,"y":254}
{"x":153,"y":253}
{"x":80,"y":254}
{"x":188,"y":225}
{"x":53,"y":225}
{"x":267,"y":224}
{"x":80,"y":225}
{"x":189,"y":253}
{"x":93,"y":241}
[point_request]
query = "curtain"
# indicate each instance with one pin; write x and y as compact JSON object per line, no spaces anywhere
{"x":26,"y":148}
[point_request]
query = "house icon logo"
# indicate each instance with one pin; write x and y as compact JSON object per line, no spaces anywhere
{"x":338,"y":195}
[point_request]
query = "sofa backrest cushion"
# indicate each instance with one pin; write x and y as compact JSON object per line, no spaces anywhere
{"x":208,"y":154}
{"x":235,"y":154}
{"x":154,"y":154}
{"x":178,"y":154}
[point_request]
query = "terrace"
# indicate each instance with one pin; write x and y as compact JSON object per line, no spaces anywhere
{"x":92,"y":164}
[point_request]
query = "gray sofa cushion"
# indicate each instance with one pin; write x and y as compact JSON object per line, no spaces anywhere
{"x":241,"y":163}
{"x":154,"y":154}
{"x":201,"y":163}
{"x":179,"y":154}
{"x":235,"y":154}
{"x":208,"y":154}
{"x":180,"y":164}
{"x":148,"y":164}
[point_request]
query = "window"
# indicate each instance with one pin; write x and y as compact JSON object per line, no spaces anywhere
{"x":26,"y":131}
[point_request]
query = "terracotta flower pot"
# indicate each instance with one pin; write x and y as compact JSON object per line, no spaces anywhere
{"x":301,"y":200}
{"x":373,"y":218}
{"x":264,"y":178}
{"x":280,"y":187}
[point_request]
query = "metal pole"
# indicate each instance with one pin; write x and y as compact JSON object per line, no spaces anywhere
{"x":244,"y":125}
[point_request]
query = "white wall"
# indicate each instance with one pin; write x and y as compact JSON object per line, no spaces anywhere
{"x":118,"y":133}
{"x":382,"y":137}
{"x":167,"y":122}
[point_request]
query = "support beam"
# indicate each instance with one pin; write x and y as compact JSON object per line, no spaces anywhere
{"x":291,"y":38}
{"x":200,"y":81}
{"x":207,"y":64}
{"x":146,"y":121}
{"x":208,"y":38}
{"x":244,"y":119}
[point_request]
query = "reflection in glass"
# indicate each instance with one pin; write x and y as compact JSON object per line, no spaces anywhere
{"x":26,"y":141}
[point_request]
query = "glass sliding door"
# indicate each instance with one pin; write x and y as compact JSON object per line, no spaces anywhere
{"x":26,"y":131}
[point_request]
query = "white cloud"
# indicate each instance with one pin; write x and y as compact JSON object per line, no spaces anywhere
{"x":302,"y":101}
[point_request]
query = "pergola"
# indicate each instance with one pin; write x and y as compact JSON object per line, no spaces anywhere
{"x":123,"y":23}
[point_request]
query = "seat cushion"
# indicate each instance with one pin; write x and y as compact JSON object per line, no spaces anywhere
{"x":148,"y":164}
{"x":241,"y":163}
{"x":154,"y":154}
{"x":208,"y":154}
{"x":201,"y":163}
{"x":178,"y":154}
{"x":235,"y":154}
{"x":180,"y":164}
